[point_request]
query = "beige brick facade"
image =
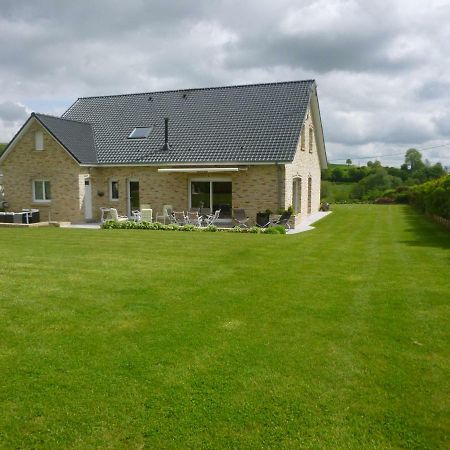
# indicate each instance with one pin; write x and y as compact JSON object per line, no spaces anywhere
{"x":23,"y":165}
{"x":306,"y":165}
{"x":254,"y":188}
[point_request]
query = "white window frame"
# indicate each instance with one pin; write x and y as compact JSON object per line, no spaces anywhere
{"x":111,"y":190}
{"x":39,"y":141}
{"x":36,"y":200}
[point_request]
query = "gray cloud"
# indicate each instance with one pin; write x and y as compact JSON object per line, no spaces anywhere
{"x":381,"y":67}
{"x":12,"y":112}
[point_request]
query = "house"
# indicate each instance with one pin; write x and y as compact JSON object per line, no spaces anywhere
{"x":256,"y":147}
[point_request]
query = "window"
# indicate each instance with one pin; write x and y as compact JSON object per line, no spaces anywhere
{"x":39,"y":140}
{"x":41,"y":191}
{"x":302,"y":140}
{"x":311,"y":140}
{"x":297,"y":195}
{"x":114,"y":190}
{"x":140,"y":133}
{"x":309,"y":194}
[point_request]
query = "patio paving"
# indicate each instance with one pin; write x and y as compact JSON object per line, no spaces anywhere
{"x":306,"y":223}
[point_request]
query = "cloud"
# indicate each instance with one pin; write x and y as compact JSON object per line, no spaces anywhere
{"x":12,"y":112}
{"x":381,"y":67}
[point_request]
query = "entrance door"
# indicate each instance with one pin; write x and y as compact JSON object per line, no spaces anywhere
{"x":87,"y":199}
{"x":133,"y":197}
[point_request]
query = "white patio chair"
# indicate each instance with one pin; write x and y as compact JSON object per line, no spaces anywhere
{"x":194,"y":219}
{"x":179,"y":217}
{"x":114,"y":215}
{"x":146,"y":214}
{"x":166,"y":214}
{"x":211,"y":219}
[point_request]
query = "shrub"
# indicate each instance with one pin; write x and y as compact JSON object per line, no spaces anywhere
{"x":433,"y":197}
{"x":188,"y":227}
{"x":254,"y":230}
{"x":210,"y":228}
{"x":277,"y":229}
{"x":236,"y":229}
{"x":172,"y":227}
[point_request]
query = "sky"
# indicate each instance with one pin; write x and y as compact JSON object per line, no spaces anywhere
{"x":382,"y":67}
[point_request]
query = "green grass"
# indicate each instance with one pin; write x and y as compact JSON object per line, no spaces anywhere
{"x":337,"y":338}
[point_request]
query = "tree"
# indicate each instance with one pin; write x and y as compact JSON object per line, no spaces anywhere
{"x":348,"y":162}
{"x":413,"y":158}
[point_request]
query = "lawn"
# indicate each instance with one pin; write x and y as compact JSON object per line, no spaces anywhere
{"x":337,"y":338}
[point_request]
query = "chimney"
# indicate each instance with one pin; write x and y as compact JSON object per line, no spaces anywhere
{"x":166,"y":145}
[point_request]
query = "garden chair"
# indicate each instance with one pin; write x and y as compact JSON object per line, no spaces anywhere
{"x":211,"y":219}
{"x":282,"y":220}
{"x":179,"y":217}
{"x":194,"y":219}
{"x":240,"y":217}
{"x":146,"y":214}
{"x":114,"y":215}
{"x":166,"y":214}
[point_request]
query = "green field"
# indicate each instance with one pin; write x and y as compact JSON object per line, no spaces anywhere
{"x":336,"y":192}
{"x":337,"y":338}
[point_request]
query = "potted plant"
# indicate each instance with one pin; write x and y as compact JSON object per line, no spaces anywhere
{"x":262,"y":218}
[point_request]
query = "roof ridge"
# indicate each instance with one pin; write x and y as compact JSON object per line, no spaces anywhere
{"x":200,"y":89}
{"x":60,"y":118}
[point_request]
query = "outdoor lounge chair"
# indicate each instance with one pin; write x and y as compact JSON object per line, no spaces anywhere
{"x":211,"y":219}
{"x":193,"y":218}
{"x":179,"y":217}
{"x":111,"y":214}
{"x":240,"y":217}
{"x":282,"y":220}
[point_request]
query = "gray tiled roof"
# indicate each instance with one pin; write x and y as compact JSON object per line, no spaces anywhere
{"x":251,"y":123}
{"x":76,"y":137}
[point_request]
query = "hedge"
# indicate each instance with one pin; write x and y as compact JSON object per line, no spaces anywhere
{"x":433,"y":197}
{"x":144,"y":225}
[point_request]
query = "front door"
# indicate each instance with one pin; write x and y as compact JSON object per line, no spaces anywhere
{"x":133,"y":197}
{"x":87,"y":199}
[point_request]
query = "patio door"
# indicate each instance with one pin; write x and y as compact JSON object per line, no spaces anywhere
{"x":213,"y":194}
{"x":133,"y":196}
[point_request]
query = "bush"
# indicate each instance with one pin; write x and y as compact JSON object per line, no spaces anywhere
{"x":384,"y":201}
{"x":433,"y":197}
{"x":210,"y":228}
{"x":188,"y":227}
{"x":277,"y":229}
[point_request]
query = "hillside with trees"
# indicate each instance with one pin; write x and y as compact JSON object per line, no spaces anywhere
{"x":349,"y":183}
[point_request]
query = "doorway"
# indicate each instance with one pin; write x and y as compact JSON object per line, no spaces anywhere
{"x":212,"y":194}
{"x":133,"y":197}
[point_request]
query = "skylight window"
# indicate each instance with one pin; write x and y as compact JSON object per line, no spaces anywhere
{"x":140,"y":133}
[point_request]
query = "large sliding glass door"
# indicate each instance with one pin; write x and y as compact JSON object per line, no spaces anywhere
{"x":213,"y":195}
